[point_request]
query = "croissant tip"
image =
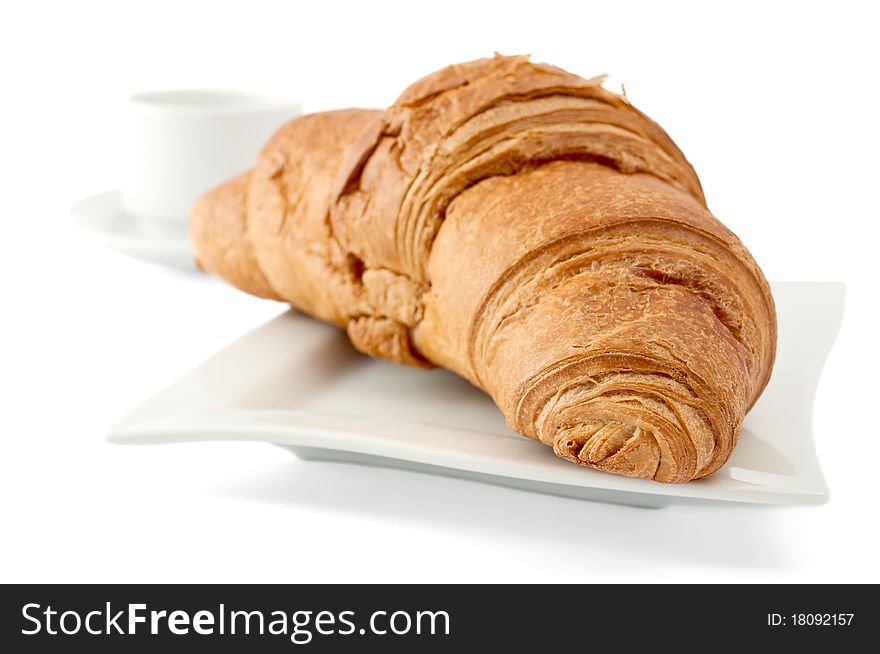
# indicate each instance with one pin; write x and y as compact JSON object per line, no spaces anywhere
{"x":613,"y":446}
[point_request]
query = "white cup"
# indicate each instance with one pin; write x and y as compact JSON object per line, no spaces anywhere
{"x":183,"y":143}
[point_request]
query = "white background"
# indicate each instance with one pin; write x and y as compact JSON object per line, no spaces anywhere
{"x":775,"y":104}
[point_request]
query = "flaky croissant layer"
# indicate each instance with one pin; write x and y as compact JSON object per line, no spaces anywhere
{"x":530,"y":231}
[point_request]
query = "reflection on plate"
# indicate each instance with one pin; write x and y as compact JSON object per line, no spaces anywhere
{"x":298,"y":383}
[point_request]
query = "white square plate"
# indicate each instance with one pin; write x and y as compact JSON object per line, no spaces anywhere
{"x":298,"y":383}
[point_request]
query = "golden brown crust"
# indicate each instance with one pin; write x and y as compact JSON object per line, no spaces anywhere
{"x":530,"y":231}
{"x":218,"y":231}
{"x":633,"y":306}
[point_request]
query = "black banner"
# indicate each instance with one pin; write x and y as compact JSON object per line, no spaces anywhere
{"x":319,"y":618}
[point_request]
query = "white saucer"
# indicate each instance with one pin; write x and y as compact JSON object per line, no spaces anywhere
{"x":297,"y":383}
{"x":164,"y":244}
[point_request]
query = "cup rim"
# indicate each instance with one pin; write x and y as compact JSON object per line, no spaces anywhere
{"x":212,"y":101}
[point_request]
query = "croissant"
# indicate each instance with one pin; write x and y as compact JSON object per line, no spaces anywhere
{"x":530,"y":231}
